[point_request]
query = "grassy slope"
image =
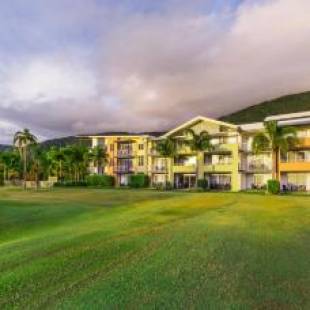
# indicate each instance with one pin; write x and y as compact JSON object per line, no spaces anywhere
{"x":94,"y":248}
{"x":256,"y":113}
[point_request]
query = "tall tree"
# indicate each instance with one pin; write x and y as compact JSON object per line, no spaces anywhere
{"x":99,"y":157}
{"x":57,"y":156}
{"x":277,"y":139}
{"x":40,"y":162}
{"x":168,"y":149}
{"x":22,"y":139}
{"x":10,"y":161}
{"x":77,"y":156}
{"x":198,"y":143}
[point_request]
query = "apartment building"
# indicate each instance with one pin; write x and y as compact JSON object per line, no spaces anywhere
{"x":231,"y":165}
{"x":128,"y":153}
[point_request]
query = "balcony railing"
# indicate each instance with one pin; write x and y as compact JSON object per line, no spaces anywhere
{"x":123,"y":169}
{"x":184,"y":164}
{"x":159,"y":169}
{"x":153,"y":152}
{"x":210,"y":163}
{"x":259,"y":167}
{"x":125,"y":153}
{"x":245,"y":147}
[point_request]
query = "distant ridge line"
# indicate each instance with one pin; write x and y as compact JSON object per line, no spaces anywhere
{"x":283,"y":105}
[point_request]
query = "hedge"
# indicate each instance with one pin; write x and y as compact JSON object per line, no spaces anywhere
{"x":70,"y":183}
{"x":203,"y":184}
{"x":273,"y":187}
{"x":100,"y":180}
{"x":138,"y":180}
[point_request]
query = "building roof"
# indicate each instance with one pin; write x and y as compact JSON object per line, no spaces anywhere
{"x":289,"y":116}
{"x":252,"y":126}
{"x":122,"y":134}
{"x":196,"y":120}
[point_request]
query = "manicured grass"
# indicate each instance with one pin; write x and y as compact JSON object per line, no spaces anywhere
{"x":92,"y":248}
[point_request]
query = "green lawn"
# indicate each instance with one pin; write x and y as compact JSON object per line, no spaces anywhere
{"x":92,"y":248}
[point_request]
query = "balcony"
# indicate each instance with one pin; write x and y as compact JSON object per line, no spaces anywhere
{"x":179,"y":168}
{"x":303,"y":142}
{"x":218,"y":167}
{"x":245,"y":147}
{"x":123,"y":169}
{"x":153,"y":152}
{"x":259,"y":168}
{"x":125,"y":153}
{"x":297,"y":166}
{"x":159,"y":169}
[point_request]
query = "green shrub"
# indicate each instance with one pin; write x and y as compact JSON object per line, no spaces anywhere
{"x":203,"y":184}
{"x":159,"y":186}
{"x":273,"y":187}
{"x":168,"y":186}
{"x":138,"y":180}
{"x":100,"y":180}
{"x":1,"y":178}
{"x":70,"y":183}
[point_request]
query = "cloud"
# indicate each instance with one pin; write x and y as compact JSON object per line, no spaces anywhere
{"x":145,"y":68}
{"x":210,"y":64}
{"x":45,"y":80}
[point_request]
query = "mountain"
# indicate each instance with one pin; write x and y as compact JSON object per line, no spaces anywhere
{"x":257,"y":113}
{"x":63,"y":141}
{"x":4,"y":147}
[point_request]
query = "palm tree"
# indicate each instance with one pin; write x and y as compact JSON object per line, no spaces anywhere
{"x":57,"y":156}
{"x":99,"y":157}
{"x":168,"y":149}
{"x":40,"y":163}
{"x":10,"y":160}
{"x":277,"y":139}
{"x":21,"y":140}
{"x":198,"y":143}
{"x":5,"y":160}
{"x":77,"y":156}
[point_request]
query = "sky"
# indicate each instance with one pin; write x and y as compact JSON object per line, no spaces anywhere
{"x":86,"y":66}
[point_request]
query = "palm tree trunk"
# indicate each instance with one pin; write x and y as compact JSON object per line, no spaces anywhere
{"x":275,"y":164}
{"x":25,"y":166}
{"x":60,"y":169}
{"x":166,"y":159}
{"x":197,"y":168}
{"x":37,"y":176}
{"x":4,"y":173}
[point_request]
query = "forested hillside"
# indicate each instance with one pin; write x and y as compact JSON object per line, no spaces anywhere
{"x":256,"y":113}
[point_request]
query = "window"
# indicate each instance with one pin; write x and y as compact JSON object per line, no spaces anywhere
{"x":258,"y":180}
{"x":224,"y":159}
{"x":141,"y":146}
{"x":100,"y":142}
{"x":208,"y":159}
{"x":141,"y":161}
{"x":223,"y":140}
{"x":296,"y":156}
{"x":112,"y":147}
{"x":301,"y":156}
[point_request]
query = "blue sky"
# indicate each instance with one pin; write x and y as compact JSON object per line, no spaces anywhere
{"x":73,"y":66}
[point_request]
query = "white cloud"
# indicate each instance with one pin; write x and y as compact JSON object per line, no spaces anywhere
{"x":42,"y":80}
{"x":153,"y":70}
{"x":210,"y":64}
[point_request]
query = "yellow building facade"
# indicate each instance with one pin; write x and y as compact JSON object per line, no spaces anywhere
{"x":230,"y":166}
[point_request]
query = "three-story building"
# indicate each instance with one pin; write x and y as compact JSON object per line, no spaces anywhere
{"x":230,"y":165}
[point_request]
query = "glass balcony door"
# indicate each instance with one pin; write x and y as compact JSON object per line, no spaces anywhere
{"x":183,"y":181}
